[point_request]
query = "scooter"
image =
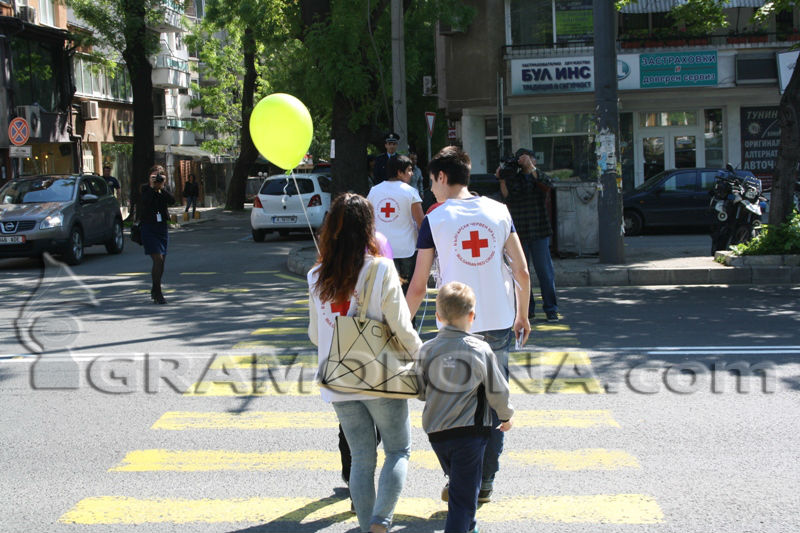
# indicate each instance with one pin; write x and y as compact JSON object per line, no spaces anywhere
{"x":736,"y":201}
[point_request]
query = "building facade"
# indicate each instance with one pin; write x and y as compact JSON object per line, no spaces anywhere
{"x":685,"y":100}
{"x":36,"y":84}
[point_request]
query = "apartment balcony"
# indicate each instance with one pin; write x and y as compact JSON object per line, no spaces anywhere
{"x":171,"y":72}
{"x":171,"y":20}
{"x":173,"y":131}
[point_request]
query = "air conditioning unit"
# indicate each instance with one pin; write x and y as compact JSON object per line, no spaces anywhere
{"x":90,"y":110}
{"x":452,"y":28}
{"x":27,"y":13}
{"x":32,"y":114}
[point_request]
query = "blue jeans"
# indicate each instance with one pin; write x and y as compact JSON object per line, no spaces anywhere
{"x":191,"y":201}
{"x":537,"y":251}
{"x":500,"y":342}
{"x":359,"y":420}
{"x":461,"y":460}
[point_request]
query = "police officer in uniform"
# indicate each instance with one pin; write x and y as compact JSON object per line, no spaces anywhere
{"x":390,"y":142}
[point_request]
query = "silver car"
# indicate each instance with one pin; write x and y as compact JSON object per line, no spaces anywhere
{"x":60,"y":214}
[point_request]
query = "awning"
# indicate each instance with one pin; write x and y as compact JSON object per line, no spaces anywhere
{"x":195,"y":152}
{"x":662,"y":6}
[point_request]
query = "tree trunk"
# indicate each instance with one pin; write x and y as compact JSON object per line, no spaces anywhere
{"x":248,"y":152}
{"x":140,"y":71}
{"x":780,"y":207}
{"x":349,"y":168}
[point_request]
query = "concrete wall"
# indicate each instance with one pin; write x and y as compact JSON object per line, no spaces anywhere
{"x":474,"y":59}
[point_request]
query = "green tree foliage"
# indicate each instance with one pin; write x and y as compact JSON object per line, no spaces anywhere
{"x":121,"y":31}
{"x":348,"y":45}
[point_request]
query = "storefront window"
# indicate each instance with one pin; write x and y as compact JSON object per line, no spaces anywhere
{"x":493,"y":157}
{"x":713,"y":138}
{"x":49,"y":158}
{"x":564,"y":145}
{"x":671,"y":118}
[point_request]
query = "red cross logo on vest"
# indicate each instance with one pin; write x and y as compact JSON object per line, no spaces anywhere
{"x":389,"y":210}
{"x":475,"y":244}
{"x":341,"y":308}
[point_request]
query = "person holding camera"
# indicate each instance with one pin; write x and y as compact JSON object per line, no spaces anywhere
{"x":524,"y":190}
{"x":154,"y":214}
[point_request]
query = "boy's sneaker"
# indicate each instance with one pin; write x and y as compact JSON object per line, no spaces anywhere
{"x":552,"y":316}
{"x":446,"y":493}
{"x":485,"y":496}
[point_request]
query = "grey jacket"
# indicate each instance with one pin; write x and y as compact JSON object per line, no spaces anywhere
{"x":459,"y":380}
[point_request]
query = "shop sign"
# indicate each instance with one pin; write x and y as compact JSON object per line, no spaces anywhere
{"x":574,"y":20}
{"x":628,"y":71}
{"x":761,"y":137}
{"x":786,"y":62}
{"x":552,"y":75}
{"x":20,"y":151}
{"x":678,"y":69}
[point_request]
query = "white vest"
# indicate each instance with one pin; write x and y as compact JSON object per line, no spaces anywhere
{"x":470,"y":237}
{"x":392,"y":201}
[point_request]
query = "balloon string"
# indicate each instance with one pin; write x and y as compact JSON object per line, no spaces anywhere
{"x":303,"y":205}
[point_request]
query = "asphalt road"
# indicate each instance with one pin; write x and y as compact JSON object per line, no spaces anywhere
{"x":202,"y":415}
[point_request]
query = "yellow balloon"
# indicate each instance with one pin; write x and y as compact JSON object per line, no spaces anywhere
{"x":281,"y":129}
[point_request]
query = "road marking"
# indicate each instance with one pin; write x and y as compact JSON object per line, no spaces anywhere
{"x":261,"y":271}
{"x":300,"y":343}
{"x":229,"y":290}
{"x":77,"y":291}
{"x":590,"y":509}
{"x":573,"y":460}
{"x":147,"y":291}
{"x":160,"y":460}
{"x":263,"y":361}
{"x":296,"y":279}
{"x":304,"y":301}
{"x":305,"y":388}
{"x":280,"y":331}
{"x":550,"y":327}
{"x":289,"y":318}
{"x":271,"y":420}
{"x":132,"y":274}
{"x":296,"y":310}
{"x":549,"y":358}
{"x":198,"y":273}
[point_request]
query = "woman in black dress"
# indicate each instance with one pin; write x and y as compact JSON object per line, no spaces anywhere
{"x":154,"y":215}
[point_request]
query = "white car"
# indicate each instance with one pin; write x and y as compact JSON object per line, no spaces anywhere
{"x":278,"y":206}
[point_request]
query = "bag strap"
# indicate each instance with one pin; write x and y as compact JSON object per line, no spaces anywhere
{"x":368,"y":283}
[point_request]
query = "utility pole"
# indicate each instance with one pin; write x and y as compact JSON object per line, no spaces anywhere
{"x":399,"y":75}
{"x":609,"y":206}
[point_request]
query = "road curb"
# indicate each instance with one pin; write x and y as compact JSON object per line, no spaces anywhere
{"x":301,"y":260}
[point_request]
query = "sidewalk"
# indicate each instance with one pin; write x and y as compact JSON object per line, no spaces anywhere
{"x":649,"y":260}
{"x":205,"y":213}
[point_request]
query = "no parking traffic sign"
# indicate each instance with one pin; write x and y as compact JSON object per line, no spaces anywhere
{"x":18,"y":131}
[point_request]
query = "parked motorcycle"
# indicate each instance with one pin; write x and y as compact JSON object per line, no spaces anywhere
{"x":736,"y":201}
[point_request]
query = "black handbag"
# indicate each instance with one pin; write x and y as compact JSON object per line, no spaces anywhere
{"x":136,"y":232}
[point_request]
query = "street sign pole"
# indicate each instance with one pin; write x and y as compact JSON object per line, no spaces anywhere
{"x":430,"y":116}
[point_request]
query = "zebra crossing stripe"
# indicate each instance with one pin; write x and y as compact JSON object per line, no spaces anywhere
{"x":576,"y":509}
{"x":550,"y":327}
{"x":271,"y":420}
{"x":524,"y":359}
{"x":281,"y":331}
{"x":160,"y":460}
{"x":291,"y":278}
{"x":549,"y":358}
{"x":304,"y":388}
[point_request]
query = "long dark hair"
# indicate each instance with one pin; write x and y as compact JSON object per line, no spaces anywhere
{"x":347,"y":235}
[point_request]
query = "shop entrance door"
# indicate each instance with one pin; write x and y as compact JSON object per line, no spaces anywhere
{"x":667,"y":148}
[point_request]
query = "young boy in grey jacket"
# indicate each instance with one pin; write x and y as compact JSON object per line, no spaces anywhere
{"x":459,"y":380}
